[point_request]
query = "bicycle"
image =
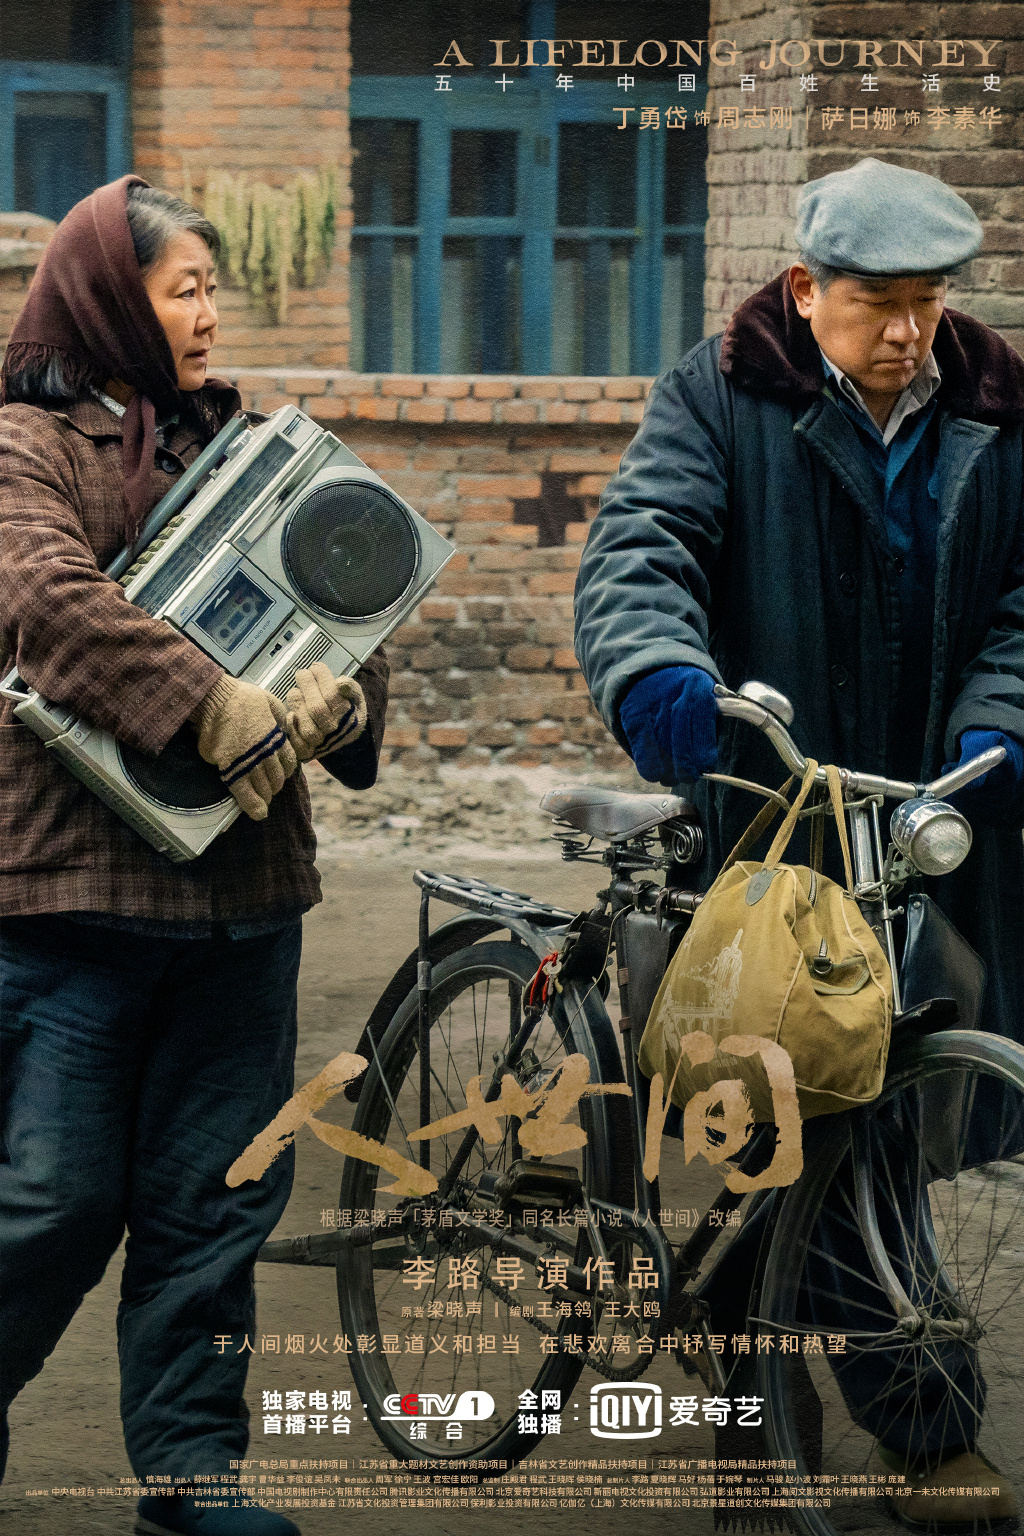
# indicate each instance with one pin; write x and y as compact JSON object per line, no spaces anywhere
{"x":928,"y":1180}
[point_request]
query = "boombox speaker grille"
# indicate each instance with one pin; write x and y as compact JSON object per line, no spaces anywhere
{"x":351,"y":550}
{"x":178,"y":778}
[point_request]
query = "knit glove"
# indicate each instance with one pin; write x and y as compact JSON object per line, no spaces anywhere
{"x":324,"y":712}
{"x":669,"y":719}
{"x":993,"y":797}
{"x":241,"y":731}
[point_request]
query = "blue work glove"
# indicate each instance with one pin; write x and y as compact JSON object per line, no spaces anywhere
{"x":669,"y":720}
{"x":989,"y":798}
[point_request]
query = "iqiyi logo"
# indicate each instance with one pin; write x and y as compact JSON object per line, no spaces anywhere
{"x":625,"y":1410}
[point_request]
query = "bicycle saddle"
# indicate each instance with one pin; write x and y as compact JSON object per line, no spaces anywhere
{"x":614,"y":814}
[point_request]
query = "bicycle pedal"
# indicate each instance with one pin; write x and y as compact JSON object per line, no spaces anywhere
{"x":529,"y":1184}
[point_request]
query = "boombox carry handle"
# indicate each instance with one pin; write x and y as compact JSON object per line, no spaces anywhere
{"x":179,"y":493}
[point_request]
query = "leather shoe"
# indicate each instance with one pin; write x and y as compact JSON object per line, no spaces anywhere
{"x":182,"y":1516}
{"x":965,"y":1493}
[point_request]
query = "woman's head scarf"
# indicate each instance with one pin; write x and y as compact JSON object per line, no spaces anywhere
{"x":88,"y":308}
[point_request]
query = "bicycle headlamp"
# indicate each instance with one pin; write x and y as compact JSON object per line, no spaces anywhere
{"x":932,"y":835}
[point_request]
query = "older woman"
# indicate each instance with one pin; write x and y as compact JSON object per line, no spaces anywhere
{"x":147,"y":1009}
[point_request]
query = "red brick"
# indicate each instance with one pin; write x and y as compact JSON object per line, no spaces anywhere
{"x":384,"y":460}
{"x":545,"y":734}
{"x":562,"y":415}
{"x":330,"y":408}
{"x":553,"y":581}
{"x":445,"y":388}
{"x":403,"y":735}
{"x":565,"y":658}
{"x":373,"y":408}
{"x":539,"y":389}
{"x":438,"y":609}
{"x":401,"y":384}
{"x":605,"y":412}
{"x":623,"y":389}
{"x":447,"y":736}
{"x":424,"y":410}
{"x":493,"y":389}
{"x":515,"y":533}
{"x":516,"y":487}
{"x":527,"y":658}
{"x":583,"y":463}
{"x":524,"y":759}
{"x":576,"y":533}
{"x":518,"y":413}
{"x":499,"y":510}
{"x":581,"y":389}
{"x":472,"y":410}
{"x":460,"y":585}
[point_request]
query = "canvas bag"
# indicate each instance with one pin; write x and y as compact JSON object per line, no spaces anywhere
{"x":781,"y":952}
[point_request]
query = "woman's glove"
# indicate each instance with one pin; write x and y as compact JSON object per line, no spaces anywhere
{"x":670,"y":720}
{"x":992,"y":797}
{"x":324,"y":712}
{"x":242,"y":732}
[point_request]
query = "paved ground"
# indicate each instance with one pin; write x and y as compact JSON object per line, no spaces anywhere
{"x":65,"y":1426}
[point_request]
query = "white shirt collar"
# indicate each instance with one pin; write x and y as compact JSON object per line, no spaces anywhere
{"x":112,"y":404}
{"x":914,"y":398}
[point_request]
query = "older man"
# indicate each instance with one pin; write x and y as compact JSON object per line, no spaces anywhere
{"x":828,"y":498}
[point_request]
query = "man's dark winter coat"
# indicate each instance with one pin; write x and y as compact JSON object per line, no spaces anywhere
{"x":744,"y":534}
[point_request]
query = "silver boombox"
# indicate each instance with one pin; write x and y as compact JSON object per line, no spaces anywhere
{"x":277,"y":548}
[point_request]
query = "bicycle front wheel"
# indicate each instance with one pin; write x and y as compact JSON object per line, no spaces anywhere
{"x":891,"y":1311}
{"x":460,"y":1348}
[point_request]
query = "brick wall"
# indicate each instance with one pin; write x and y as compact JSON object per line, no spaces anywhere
{"x":23,"y":238}
{"x":484,"y":671}
{"x":259,"y":89}
{"x":754,"y":174}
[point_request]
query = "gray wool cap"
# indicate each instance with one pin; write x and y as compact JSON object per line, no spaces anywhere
{"x":884,"y":221}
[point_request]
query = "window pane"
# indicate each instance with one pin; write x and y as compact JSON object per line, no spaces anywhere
{"x":60,"y":149}
{"x":381,"y":286}
{"x":686,"y":192}
{"x":483,"y":174}
{"x":384,"y":171}
{"x":682,"y":297}
{"x":596,"y":175}
{"x":480,"y":306}
{"x":591,"y":307}
{"x":64,"y":31}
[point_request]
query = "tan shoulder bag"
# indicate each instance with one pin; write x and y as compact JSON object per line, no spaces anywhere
{"x":784,"y":953}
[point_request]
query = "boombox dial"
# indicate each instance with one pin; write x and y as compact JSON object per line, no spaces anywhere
{"x":350,"y":550}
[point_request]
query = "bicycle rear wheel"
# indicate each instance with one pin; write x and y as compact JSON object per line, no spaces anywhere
{"x":915,"y":1353}
{"x":489,"y":1339}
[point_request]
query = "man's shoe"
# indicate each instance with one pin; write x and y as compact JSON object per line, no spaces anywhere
{"x":965,"y":1493}
{"x":180,"y":1516}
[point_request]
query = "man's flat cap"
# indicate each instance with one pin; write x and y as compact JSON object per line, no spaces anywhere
{"x":884,"y":221}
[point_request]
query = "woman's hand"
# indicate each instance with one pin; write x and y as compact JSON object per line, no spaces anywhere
{"x":242,"y":731}
{"x":324,"y":712}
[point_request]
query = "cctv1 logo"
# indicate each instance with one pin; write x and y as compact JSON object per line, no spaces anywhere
{"x":625,"y":1411}
{"x":432,"y":1405}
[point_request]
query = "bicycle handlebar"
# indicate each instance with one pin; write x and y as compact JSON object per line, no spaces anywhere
{"x":736,"y":707}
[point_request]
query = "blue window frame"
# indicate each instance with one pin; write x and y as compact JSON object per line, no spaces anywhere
{"x":63,"y":100}
{"x":522,"y":230}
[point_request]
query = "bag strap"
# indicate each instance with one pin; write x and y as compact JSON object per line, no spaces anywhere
{"x":761,"y":822}
{"x":817,"y":853}
{"x":788,"y":827}
{"x":835,"y":789}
